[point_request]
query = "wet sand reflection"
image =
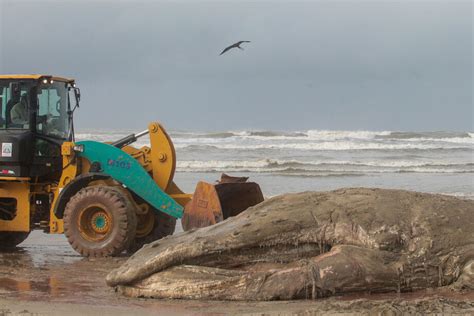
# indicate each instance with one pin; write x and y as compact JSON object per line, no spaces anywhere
{"x":46,"y":268}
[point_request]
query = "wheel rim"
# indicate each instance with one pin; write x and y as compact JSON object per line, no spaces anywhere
{"x":95,"y":223}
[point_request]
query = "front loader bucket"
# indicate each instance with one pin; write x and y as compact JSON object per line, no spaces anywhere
{"x":212,"y":203}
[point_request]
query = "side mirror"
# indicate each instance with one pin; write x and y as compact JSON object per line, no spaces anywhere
{"x":77,"y":93}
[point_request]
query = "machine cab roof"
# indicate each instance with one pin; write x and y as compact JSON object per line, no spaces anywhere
{"x":35,"y":77}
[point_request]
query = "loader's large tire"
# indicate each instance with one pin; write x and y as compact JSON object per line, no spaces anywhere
{"x":163,"y":225}
{"x":100,"y":221}
{"x":9,"y":240}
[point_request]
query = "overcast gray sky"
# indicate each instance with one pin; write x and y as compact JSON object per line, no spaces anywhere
{"x":370,"y":65}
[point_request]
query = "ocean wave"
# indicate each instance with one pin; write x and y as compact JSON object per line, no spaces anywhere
{"x":228,"y":134}
{"x":315,"y":153}
{"x":335,"y":146}
{"x":321,"y":135}
{"x":309,"y":134}
{"x":270,"y":165}
{"x":197,"y":147}
{"x":100,"y":136}
{"x":456,"y":140}
{"x":276,"y":134}
{"x":461,"y":195}
{"x":425,"y":135}
{"x":352,"y":173}
{"x":338,"y":135}
{"x":329,"y":134}
{"x":304,"y":140}
{"x":297,"y":174}
{"x":204,"y":135}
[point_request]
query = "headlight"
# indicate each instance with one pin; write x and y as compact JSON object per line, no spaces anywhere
{"x":79,"y":148}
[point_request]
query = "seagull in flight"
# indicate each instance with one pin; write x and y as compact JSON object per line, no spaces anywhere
{"x":236,"y":45}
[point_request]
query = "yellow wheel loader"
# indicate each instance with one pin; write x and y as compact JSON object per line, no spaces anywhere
{"x":105,"y":197}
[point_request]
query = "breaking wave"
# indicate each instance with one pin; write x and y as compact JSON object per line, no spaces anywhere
{"x":292,"y":166}
{"x":238,"y":134}
{"x":314,"y":134}
{"x":315,"y":153}
{"x":306,"y":140}
{"x":332,"y":146}
{"x":329,"y":135}
{"x":426,"y":135}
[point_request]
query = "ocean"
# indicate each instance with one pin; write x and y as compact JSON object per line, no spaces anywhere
{"x":319,"y":160}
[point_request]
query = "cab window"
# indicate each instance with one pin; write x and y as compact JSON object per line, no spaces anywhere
{"x":52,"y":119}
{"x":14,"y":102}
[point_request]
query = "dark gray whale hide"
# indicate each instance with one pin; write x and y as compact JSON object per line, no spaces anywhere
{"x":311,"y":245}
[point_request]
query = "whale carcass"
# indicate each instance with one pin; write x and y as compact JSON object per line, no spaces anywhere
{"x":311,"y":245}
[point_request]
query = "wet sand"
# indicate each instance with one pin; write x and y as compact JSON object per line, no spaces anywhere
{"x":46,"y":277}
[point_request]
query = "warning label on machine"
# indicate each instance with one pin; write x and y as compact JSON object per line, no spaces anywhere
{"x":6,"y":149}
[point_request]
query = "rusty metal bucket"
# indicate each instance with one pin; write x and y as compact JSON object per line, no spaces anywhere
{"x":212,"y":203}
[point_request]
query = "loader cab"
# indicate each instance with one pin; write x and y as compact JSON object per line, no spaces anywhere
{"x":34,"y":122}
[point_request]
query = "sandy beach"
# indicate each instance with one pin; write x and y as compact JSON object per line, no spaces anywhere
{"x":46,"y":277}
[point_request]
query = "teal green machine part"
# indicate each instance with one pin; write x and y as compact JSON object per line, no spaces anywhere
{"x":126,"y":170}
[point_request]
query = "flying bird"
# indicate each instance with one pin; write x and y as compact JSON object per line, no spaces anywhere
{"x":236,"y":45}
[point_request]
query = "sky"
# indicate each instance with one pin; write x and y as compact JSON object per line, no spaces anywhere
{"x":339,"y":65}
